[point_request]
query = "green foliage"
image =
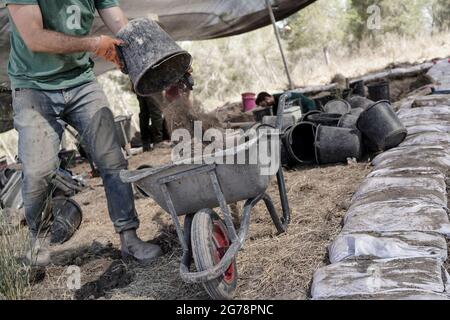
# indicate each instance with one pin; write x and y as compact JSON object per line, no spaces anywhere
{"x":373,"y":19}
{"x":340,"y":22}
{"x":318,"y":26}
{"x":441,"y":15}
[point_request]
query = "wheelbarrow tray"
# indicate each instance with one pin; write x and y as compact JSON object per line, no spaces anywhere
{"x":195,"y":191}
{"x":190,"y":186}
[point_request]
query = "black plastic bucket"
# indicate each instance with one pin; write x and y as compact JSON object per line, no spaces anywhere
{"x":348,"y":121}
{"x":379,"y":91}
{"x":360,"y":102}
{"x":357,"y":112}
{"x":381,"y":126}
{"x":338,"y":106}
{"x":152,"y":58}
{"x":357,"y":88}
{"x":335,"y":145}
{"x":306,"y":116}
{"x":6,"y":111}
{"x":326,"y":119}
{"x":299,"y":143}
{"x":67,"y":217}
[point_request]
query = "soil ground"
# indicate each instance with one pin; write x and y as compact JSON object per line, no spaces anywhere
{"x":270,"y":266}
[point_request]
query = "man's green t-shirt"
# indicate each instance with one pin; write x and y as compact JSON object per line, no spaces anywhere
{"x":44,"y":71}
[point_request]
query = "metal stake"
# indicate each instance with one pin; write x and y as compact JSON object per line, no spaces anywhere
{"x":277,"y":35}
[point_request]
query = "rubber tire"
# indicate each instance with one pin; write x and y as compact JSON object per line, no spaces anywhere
{"x":202,"y":251}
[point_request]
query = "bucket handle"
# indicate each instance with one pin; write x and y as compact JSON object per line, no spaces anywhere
{"x":122,"y":59}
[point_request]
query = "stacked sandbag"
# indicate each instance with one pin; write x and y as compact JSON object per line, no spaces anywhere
{"x":393,"y":242}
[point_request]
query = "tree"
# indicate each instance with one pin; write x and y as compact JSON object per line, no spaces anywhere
{"x":441,"y":15}
{"x":372,"y":19}
{"x":318,"y":27}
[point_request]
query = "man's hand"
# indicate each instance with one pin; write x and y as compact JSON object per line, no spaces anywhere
{"x":106,"y":49}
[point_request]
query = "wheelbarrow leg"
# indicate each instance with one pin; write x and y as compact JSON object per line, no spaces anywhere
{"x":175,"y":219}
{"x":186,"y":260}
{"x":223,"y":206}
{"x":286,"y":219}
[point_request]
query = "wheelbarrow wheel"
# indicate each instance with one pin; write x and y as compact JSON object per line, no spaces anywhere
{"x":210,"y":241}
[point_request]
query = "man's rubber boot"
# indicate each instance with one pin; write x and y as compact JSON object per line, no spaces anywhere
{"x":39,"y":253}
{"x":134,"y":247}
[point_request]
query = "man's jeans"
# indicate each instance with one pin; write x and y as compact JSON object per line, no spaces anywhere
{"x":36,"y":115}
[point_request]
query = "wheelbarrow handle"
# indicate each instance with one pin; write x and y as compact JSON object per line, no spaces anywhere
{"x":281,"y":108}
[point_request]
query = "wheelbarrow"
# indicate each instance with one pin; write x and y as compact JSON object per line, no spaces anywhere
{"x":194,"y":191}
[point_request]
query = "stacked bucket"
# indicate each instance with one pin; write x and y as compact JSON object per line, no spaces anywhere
{"x":345,"y":129}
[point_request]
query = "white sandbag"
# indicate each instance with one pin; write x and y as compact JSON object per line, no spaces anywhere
{"x":422,"y":128}
{"x":426,"y":138}
{"x":363,"y":277}
{"x":440,"y":112}
{"x":396,"y":216}
{"x":429,"y":189}
{"x":387,"y":245}
{"x":433,"y":157}
{"x":407,"y":172}
{"x":408,"y":123}
{"x":395,"y":295}
{"x":419,"y":152}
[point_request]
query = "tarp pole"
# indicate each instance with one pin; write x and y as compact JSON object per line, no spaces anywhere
{"x":280,"y":45}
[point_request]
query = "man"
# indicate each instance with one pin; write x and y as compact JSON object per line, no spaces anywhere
{"x":265,"y":99}
{"x":51,"y":77}
{"x":151,"y":135}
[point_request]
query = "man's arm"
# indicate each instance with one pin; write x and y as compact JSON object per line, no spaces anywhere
{"x":114,"y":18}
{"x":28,"y":20}
{"x":29,"y":23}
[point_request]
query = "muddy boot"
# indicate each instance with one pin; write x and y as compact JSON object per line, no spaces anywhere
{"x":134,"y":247}
{"x":39,"y":252}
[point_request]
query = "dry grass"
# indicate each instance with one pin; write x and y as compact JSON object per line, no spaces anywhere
{"x":14,"y":275}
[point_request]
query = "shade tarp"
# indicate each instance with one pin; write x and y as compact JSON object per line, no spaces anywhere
{"x":185,"y":19}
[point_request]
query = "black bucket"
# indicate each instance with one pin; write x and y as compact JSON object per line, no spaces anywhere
{"x":299,"y":142}
{"x":348,"y":121}
{"x":335,"y":145}
{"x":306,"y":116}
{"x":285,"y":159}
{"x":382,"y":127}
{"x":326,"y":119}
{"x":357,"y":88}
{"x":357,"y":112}
{"x":6,"y":111}
{"x":152,"y":58}
{"x":338,"y":106}
{"x":67,"y":217}
{"x":379,"y":91}
{"x":360,"y":102}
